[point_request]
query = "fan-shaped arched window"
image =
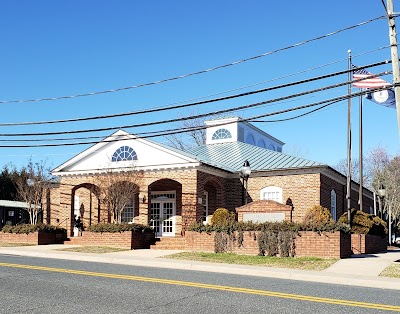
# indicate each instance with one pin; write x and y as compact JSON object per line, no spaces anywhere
{"x":124,"y":153}
{"x":250,"y":139}
{"x":273,"y":193}
{"x":261,"y":143}
{"x":221,"y":134}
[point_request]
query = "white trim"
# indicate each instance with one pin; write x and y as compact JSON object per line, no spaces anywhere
{"x":122,"y":135}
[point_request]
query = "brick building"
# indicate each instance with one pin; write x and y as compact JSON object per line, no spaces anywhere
{"x":175,"y":188}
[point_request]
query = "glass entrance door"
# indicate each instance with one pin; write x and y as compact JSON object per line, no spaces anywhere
{"x":162,"y":216}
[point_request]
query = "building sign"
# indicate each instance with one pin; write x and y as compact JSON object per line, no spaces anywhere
{"x":264,"y":217}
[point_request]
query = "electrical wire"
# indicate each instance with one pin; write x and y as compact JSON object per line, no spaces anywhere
{"x":145,"y":111}
{"x":198,"y":115}
{"x":164,"y":133}
{"x":198,"y":72}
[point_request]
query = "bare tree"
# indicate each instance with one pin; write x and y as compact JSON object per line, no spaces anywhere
{"x":119,"y":189}
{"x":31,"y":184}
{"x":196,"y":135}
{"x":342,"y":166}
{"x":391,"y":182}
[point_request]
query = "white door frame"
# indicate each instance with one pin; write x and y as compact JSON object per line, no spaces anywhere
{"x":164,"y":219}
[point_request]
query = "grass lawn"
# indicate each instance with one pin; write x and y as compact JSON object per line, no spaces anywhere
{"x":305,"y":263}
{"x":93,"y":249}
{"x":392,"y":271}
{"x":4,"y":244}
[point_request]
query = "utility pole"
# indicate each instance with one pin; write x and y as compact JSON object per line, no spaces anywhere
{"x":395,"y":58}
{"x":348,"y":193}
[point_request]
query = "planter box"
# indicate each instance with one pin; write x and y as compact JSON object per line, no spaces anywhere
{"x":307,"y":243}
{"x":36,"y":238}
{"x":368,"y":244}
{"x":126,"y":240}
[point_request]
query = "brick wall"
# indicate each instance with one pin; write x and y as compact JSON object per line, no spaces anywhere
{"x":324,"y":245}
{"x":37,"y":238}
{"x":368,"y":244}
{"x":302,"y":189}
{"x":126,"y":240}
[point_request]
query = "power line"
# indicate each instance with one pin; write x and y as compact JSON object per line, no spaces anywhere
{"x":144,"y":111}
{"x":195,"y":73}
{"x":197,"y":116}
{"x":164,"y":133}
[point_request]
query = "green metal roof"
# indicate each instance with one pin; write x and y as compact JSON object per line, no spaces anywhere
{"x":230,"y":157}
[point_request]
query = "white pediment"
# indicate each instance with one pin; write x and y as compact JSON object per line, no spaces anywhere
{"x":150,"y":156}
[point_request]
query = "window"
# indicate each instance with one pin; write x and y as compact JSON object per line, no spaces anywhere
{"x":205,"y":207}
{"x":261,"y":143}
{"x":271,"y":147}
{"x":272,"y":193}
{"x":250,"y":139}
{"x":128,"y":213}
{"x":333,"y":204}
{"x":124,"y":153}
{"x":221,"y":134}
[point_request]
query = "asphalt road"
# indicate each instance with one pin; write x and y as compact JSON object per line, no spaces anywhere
{"x":36,"y":285}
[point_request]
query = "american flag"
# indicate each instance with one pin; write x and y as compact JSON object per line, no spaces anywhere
{"x":371,"y":82}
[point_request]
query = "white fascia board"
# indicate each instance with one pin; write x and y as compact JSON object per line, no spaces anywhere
{"x":124,"y":135}
{"x":145,"y":168}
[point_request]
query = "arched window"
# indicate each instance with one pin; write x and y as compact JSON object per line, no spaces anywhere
{"x":221,"y":134}
{"x":271,"y":147}
{"x":250,"y":139}
{"x":261,"y":143}
{"x":272,"y":193}
{"x":333,"y":204}
{"x":124,"y":153}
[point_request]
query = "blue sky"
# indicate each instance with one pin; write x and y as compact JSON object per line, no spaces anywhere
{"x":59,"y":48}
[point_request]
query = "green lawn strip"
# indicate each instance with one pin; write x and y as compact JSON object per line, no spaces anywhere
{"x":93,"y":249}
{"x":391,"y":271}
{"x":305,"y":263}
{"x":6,"y":244}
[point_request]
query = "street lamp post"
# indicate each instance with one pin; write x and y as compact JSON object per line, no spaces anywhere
{"x":245,"y":173}
{"x":382,"y":194}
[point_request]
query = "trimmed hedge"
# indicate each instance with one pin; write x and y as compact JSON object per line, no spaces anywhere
{"x":26,"y":228}
{"x":113,"y":228}
{"x":269,"y":226}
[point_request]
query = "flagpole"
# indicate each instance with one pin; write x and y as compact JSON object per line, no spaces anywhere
{"x":360,"y":193}
{"x":348,"y":194}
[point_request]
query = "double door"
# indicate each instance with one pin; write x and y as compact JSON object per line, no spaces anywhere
{"x":162,"y":216}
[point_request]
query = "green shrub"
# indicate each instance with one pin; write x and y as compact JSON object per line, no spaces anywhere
{"x":27,"y":228}
{"x":222,"y":217}
{"x":113,"y":228}
{"x":363,"y":223}
{"x":316,"y":217}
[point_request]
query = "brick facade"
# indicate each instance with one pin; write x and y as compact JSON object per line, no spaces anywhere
{"x":304,"y":188}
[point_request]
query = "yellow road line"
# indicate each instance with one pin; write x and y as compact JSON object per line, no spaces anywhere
{"x":385,"y":307}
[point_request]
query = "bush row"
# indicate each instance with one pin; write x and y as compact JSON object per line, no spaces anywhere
{"x":26,"y":228}
{"x":114,"y":228}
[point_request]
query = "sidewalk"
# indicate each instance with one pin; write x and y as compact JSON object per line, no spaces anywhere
{"x":360,"y":270}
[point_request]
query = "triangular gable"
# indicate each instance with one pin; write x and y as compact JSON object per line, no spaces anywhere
{"x":150,"y":156}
